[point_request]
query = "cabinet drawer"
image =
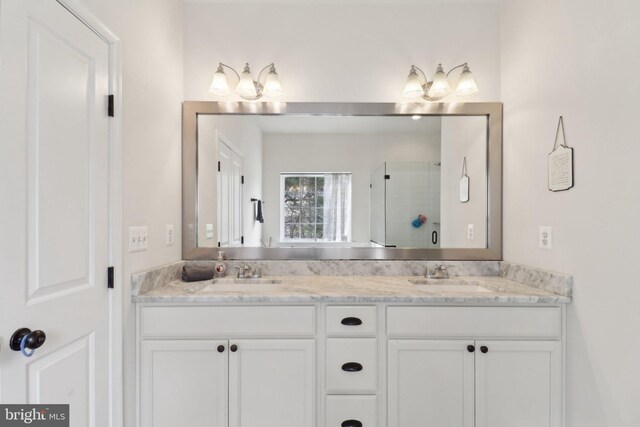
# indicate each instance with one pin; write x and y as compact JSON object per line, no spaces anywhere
{"x":347,"y":411}
{"x":351,"y":321}
{"x":474,"y":321}
{"x":201,"y":321}
{"x":351,"y":365}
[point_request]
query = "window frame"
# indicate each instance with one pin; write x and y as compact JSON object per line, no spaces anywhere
{"x":283,"y":237}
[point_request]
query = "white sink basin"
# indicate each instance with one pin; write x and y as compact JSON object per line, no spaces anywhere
{"x":448,"y":285}
{"x":232,"y":284}
{"x":256,"y":281}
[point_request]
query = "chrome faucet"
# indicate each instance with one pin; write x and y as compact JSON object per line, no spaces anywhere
{"x":245,"y":272}
{"x":440,"y":272}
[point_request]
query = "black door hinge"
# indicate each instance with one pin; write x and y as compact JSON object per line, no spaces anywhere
{"x":110,"y":279}
{"x":218,"y":166}
{"x":111,"y":107}
{"x":242,"y":179}
{"x":242,"y":240}
{"x":387,"y":177}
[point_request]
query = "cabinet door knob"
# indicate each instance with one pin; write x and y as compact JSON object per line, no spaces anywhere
{"x":352,"y":367}
{"x":471,"y":348}
{"x":484,"y":349}
{"x":233,"y":348}
{"x":351,"y":321}
{"x":351,"y":423}
{"x":220,"y":348}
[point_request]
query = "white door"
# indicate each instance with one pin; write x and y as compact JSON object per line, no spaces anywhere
{"x":430,"y":383}
{"x":54,"y":167}
{"x":184,"y":383}
{"x":229,"y":196}
{"x":518,"y":384}
{"x":272,"y":383}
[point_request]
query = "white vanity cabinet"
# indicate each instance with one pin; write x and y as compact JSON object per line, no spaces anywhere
{"x":358,"y":365}
{"x":477,"y":381}
{"x":213,"y":380}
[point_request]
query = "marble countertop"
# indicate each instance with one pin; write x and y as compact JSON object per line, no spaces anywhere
{"x":350,"y":289}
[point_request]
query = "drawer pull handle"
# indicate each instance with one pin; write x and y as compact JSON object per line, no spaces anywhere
{"x":351,"y":321}
{"x":352,"y":367}
{"x":471,"y":348}
{"x":220,"y":349}
{"x":484,"y":349}
{"x":351,"y":423}
{"x":234,"y":348}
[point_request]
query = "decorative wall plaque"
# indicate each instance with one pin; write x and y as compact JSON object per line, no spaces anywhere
{"x":560,"y":162}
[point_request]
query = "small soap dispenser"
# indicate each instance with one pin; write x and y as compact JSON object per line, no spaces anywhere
{"x":220,"y":268}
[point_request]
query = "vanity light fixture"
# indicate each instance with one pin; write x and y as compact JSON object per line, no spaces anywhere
{"x":247,"y":88}
{"x":439,"y":87}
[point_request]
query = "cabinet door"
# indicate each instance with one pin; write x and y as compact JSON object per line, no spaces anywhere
{"x":184,"y":383}
{"x":430,"y":383}
{"x":272,"y":383}
{"x":518,"y":384}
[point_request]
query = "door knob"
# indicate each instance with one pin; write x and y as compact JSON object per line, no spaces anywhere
{"x":234,"y":348}
{"x":484,"y":349}
{"x":25,"y":338}
{"x":471,"y":348}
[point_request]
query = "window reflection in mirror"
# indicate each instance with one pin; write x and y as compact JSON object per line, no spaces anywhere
{"x":335,"y":181}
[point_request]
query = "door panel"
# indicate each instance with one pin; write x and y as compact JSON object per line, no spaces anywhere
{"x":430,"y":384}
{"x":63,"y":376}
{"x":518,"y":384}
{"x":229,"y":196}
{"x":184,"y":383}
{"x":272,"y":383}
{"x":54,"y":83}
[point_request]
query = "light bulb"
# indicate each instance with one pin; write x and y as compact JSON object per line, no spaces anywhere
{"x":272,"y":86}
{"x":413,"y":88}
{"x":219,"y":85}
{"x":246,"y":87}
{"x":466,"y":84}
{"x":416,"y":117}
{"x":440,"y":86}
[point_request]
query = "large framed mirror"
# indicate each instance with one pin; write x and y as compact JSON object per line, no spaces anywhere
{"x":342,"y":181}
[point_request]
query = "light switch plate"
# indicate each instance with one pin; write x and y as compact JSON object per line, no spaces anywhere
{"x":546,"y":237}
{"x":169,"y":234}
{"x":137,"y":239}
{"x":209,"y":231}
{"x":470,"y":231}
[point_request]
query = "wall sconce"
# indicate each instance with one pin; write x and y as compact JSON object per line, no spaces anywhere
{"x":247,"y":88}
{"x":439,"y":87}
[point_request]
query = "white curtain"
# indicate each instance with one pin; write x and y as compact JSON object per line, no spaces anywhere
{"x":337,"y":207}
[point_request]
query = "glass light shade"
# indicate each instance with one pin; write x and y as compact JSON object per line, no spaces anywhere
{"x":467,"y":84}
{"x":246,"y":88}
{"x":219,"y":85}
{"x":440,"y":87}
{"x":413,"y":88}
{"x":272,"y":86}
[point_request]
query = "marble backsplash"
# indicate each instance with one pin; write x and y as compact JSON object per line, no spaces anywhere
{"x":554,"y":282}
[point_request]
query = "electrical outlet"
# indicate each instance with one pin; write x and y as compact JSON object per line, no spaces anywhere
{"x":169,"y":234}
{"x":546,"y":237}
{"x":470,"y":231}
{"x":209,"y":231}
{"x":137,"y":239}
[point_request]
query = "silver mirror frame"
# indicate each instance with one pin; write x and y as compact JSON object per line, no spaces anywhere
{"x":492,"y":110}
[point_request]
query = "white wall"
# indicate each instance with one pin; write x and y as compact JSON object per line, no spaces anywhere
{"x":151,"y":35}
{"x":341,"y":52}
{"x":359,"y":154}
{"x":464,"y":136}
{"x":580,"y":59}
